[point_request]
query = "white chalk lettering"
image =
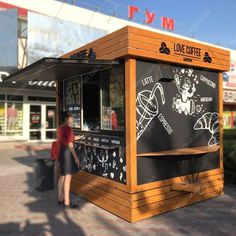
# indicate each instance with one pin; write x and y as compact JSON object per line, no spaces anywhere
{"x":147,"y":80}
{"x":207,"y":81}
{"x":206,"y":99}
{"x":165,"y":123}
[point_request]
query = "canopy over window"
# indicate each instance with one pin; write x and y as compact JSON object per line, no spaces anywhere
{"x":54,"y":69}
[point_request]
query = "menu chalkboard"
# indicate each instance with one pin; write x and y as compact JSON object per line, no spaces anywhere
{"x":102,"y":155}
{"x":177,"y":113}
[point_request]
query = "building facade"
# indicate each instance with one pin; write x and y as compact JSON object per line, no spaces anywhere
{"x":229,"y":94}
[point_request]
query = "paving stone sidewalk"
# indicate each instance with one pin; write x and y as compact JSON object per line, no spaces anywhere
{"x":24,"y":211}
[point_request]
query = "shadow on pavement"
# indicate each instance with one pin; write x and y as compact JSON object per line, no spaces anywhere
{"x":44,"y":208}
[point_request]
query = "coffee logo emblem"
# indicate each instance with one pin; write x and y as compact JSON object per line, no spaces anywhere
{"x":207,"y":58}
{"x":164,"y":49}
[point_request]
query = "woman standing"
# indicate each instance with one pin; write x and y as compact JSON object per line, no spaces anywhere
{"x":68,"y":160}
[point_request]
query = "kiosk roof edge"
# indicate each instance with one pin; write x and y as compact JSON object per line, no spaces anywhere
{"x":53,"y":69}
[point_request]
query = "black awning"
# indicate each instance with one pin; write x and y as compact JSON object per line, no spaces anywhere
{"x":53,"y":69}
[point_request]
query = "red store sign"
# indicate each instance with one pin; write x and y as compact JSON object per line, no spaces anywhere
{"x":166,"y":23}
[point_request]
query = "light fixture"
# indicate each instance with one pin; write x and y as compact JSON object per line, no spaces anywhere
{"x":164,"y":72}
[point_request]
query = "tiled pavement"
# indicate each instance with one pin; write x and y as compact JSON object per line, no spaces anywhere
{"x":24,"y":211}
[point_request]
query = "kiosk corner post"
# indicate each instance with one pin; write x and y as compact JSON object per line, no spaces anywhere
{"x":130,"y":124}
{"x":221,"y":120}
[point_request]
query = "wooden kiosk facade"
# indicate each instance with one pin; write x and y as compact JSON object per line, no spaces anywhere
{"x":150,"y":109}
{"x":173,"y":124}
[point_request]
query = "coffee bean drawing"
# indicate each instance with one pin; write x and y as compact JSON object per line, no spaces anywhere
{"x":207,"y":58}
{"x":164,"y":49}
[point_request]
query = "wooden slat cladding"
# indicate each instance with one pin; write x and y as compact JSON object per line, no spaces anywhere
{"x":154,"y":195}
{"x":144,"y":43}
{"x":141,"y":205}
{"x":160,"y":197}
{"x":151,"y":37}
{"x":154,"y":39}
{"x":174,"y":203}
{"x":217,"y":59}
{"x":174,"y":59}
{"x":101,"y":201}
{"x":105,"y":187}
{"x":156,"y":201}
{"x":110,"y":199}
{"x":166,"y":189}
{"x":101,"y":192}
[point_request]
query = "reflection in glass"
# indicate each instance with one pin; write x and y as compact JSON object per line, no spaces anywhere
{"x":2,"y":119}
{"x":51,"y":117}
{"x":14,"y":118}
{"x":35,"y":117}
{"x":35,"y":135}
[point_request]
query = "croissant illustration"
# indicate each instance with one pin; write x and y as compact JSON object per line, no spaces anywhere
{"x":209,"y":121}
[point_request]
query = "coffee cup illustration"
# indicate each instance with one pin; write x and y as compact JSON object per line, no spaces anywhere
{"x":147,"y":107}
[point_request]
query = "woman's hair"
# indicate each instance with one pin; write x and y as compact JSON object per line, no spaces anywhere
{"x":65,"y":115}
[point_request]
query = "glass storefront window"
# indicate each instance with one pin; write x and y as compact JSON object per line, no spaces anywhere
{"x":35,"y":135}
{"x":112,"y":108}
{"x":14,"y":119}
{"x":35,"y":117}
{"x":43,"y":99}
{"x":2,"y":97}
{"x":14,"y":98}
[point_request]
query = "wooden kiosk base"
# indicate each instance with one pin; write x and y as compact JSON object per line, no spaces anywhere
{"x":146,"y":202}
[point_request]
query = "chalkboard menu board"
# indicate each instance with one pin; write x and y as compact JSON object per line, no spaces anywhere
{"x":179,"y":113}
{"x":103,"y":156}
{"x":72,"y":89}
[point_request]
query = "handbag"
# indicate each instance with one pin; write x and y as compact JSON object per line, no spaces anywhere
{"x":55,"y":149}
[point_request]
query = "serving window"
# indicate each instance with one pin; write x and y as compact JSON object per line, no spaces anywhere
{"x":112,"y":99}
{"x":96,"y":100}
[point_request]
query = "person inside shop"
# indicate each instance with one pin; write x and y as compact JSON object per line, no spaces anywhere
{"x":68,"y":160}
{"x":12,"y":117}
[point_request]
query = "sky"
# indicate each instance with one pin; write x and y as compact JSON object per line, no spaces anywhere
{"x":205,"y":20}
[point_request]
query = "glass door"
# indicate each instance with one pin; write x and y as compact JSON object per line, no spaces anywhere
{"x":50,"y":131}
{"x":35,"y":122}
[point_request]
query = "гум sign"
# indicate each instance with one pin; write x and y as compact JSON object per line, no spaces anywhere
{"x":166,"y":23}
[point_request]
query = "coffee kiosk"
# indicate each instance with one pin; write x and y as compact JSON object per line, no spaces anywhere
{"x":150,"y":108}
